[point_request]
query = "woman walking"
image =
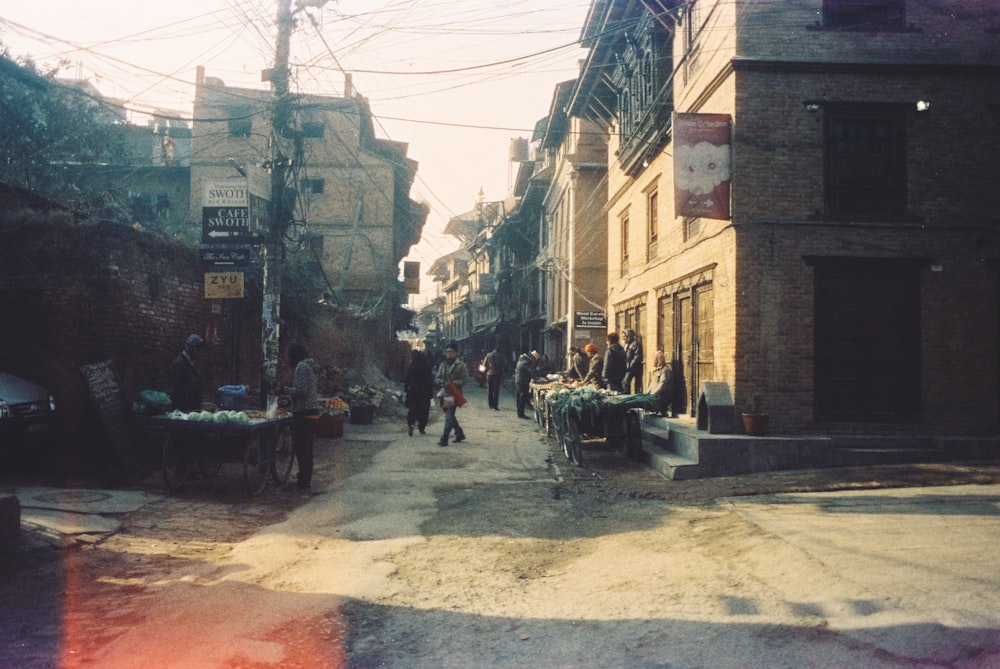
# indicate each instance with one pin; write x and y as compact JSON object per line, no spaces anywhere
{"x":419,"y":388}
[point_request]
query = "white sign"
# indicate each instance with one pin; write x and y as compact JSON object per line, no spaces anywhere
{"x":225,"y":193}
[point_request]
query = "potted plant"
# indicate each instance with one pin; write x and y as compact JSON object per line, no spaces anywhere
{"x":754,"y":418}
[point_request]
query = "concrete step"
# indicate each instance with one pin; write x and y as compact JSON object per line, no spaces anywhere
{"x":657,"y":446}
{"x":668,"y":463}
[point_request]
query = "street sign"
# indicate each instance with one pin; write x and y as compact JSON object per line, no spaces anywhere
{"x":223,"y":285}
{"x":225,"y":217}
{"x":591,"y":319}
{"x":235,"y":257}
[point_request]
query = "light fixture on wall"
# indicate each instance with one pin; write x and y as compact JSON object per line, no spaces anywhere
{"x":812,"y":106}
{"x":923,"y":105}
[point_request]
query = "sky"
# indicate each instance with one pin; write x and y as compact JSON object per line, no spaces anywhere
{"x":454,"y":79}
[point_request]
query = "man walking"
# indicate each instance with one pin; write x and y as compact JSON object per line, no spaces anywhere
{"x":451,"y":377}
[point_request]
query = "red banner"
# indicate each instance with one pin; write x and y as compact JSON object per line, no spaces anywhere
{"x":702,"y":153}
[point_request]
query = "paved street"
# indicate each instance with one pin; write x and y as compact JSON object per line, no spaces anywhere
{"x":498,"y":553}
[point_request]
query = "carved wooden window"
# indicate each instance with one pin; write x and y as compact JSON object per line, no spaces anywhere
{"x":643,"y":67}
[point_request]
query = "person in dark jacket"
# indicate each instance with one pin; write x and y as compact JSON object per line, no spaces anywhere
{"x":633,"y":362}
{"x":419,"y":388}
{"x":524,"y":371}
{"x":451,"y":373}
{"x":594,"y":376}
{"x":493,"y":362}
{"x":185,"y":377}
{"x":614,"y":363}
{"x":304,"y":393}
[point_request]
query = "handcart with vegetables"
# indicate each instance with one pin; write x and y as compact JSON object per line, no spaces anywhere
{"x":580,"y":413}
{"x":200,"y":442}
{"x":539,"y":389}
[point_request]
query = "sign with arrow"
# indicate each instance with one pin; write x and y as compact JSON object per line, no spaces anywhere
{"x":225,"y":216}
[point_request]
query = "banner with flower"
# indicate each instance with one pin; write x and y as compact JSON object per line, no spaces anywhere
{"x":702,"y":152}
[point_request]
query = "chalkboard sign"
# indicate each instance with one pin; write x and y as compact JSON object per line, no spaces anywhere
{"x":105,"y":393}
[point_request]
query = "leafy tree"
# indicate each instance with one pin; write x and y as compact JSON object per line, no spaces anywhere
{"x":47,"y":125}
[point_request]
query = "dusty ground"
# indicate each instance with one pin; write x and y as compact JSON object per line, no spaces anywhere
{"x":501,"y":570}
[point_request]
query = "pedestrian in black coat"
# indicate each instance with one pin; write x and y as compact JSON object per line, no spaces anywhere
{"x":633,"y":362}
{"x":614,"y":363}
{"x":419,"y":388}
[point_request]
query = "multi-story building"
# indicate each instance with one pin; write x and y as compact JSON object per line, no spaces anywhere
{"x":452,"y":273}
{"x":352,"y":214}
{"x":571,"y":171}
{"x":800,"y":203}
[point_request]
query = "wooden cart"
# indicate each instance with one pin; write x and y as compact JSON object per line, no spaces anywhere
{"x":615,"y":419}
{"x":264,"y":447}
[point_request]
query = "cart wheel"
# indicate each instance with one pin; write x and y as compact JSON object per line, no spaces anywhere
{"x":176,"y":467}
{"x":284,"y":455}
{"x":633,"y":435}
{"x":255,"y":464}
{"x":571,"y":443}
{"x":210,"y":459}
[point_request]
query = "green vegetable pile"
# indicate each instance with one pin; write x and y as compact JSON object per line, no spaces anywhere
{"x":364,"y":395}
{"x":587,"y":402}
{"x":219,"y":417}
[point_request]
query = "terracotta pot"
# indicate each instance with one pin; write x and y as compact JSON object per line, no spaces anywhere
{"x":755,"y":424}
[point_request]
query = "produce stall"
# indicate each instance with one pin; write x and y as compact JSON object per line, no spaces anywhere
{"x":539,"y":389}
{"x":202,"y":441}
{"x":576,"y":414}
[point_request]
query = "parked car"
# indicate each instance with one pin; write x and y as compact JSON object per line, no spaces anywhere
{"x":26,"y":409}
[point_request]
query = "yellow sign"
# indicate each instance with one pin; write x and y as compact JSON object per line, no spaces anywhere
{"x":223,"y":285}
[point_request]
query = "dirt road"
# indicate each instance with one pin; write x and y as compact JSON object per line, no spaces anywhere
{"x":497,"y":553}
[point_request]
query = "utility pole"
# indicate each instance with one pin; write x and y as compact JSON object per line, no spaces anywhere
{"x":280,"y":210}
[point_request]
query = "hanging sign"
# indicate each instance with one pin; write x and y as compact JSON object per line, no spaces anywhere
{"x":225,"y":216}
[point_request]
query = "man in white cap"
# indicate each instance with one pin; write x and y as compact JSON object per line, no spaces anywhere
{"x":524,"y":371}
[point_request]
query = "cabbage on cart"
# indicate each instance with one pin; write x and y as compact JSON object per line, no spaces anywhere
{"x":586,"y":412}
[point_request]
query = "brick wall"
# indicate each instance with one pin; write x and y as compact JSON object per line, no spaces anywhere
{"x":77,"y":294}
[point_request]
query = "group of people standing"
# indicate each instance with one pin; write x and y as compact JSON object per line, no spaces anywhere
{"x":620,"y":368}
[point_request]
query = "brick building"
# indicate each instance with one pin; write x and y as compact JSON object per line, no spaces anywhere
{"x":800,"y":203}
{"x":353,"y":217}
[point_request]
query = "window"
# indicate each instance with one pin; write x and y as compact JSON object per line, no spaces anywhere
{"x":641,"y":77}
{"x":624,"y":238}
{"x":864,"y":15}
{"x":311,"y":186}
{"x":867,"y":339}
{"x":692,"y":227}
{"x":652,"y":224}
{"x":693,"y":21}
{"x":240,"y":123}
{"x":865,"y":162}
{"x":312,"y":130}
